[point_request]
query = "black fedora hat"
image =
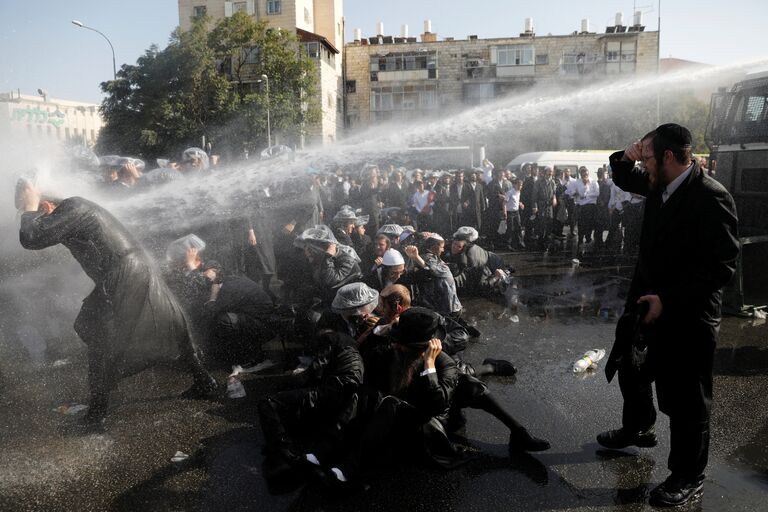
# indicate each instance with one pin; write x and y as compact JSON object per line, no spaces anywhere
{"x":415,"y":327}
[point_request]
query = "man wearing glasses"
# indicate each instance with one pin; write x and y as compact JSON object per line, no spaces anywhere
{"x":688,"y":249}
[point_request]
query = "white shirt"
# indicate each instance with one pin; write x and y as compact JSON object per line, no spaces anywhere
{"x":419,"y":200}
{"x":618,"y":197}
{"x":674,"y":184}
{"x":570,"y":187}
{"x":586,"y":193}
{"x":512,"y":199}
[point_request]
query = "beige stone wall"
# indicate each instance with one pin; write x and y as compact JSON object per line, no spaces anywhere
{"x":328,"y":96}
{"x":328,"y":21}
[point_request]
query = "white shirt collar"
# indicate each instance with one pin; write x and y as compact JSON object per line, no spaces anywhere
{"x":674,"y":184}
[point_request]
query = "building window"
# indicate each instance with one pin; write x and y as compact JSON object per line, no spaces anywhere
{"x":307,"y":16}
{"x":351,"y":87}
{"x":199,"y":11}
{"x":313,"y":49}
{"x":403,"y":102}
{"x":404,"y":61}
{"x":251,"y":55}
{"x":580,"y":63}
{"x":330,"y":100}
{"x":620,"y":56}
{"x":542,"y":60}
{"x":515,"y":55}
{"x":239,"y":7}
{"x":274,"y":6}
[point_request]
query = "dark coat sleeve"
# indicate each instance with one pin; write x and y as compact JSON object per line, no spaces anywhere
{"x":333,"y":271}
{"x":629,"y":177}
{"x":39,"y":231}
{"x":436,"y":389}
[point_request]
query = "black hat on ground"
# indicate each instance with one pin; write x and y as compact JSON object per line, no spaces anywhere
{"x":416,"y":327}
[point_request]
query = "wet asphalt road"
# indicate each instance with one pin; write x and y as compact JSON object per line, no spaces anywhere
{"x":48,"y":463}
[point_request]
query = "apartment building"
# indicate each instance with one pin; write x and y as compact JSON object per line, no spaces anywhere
{"x":402,"y":77}
{"x":318,"y":24}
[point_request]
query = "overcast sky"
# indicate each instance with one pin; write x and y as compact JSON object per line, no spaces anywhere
{"x":42,"y":49}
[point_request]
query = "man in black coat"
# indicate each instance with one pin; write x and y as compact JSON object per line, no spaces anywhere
{"x":473,"y":203}
{"x":309,"y":425}
{"x":131,"y":319}
{"x":688,"y":251}
{"x":237,"y":310}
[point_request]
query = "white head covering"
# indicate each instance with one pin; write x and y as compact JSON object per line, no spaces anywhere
{"x":393,"y":257}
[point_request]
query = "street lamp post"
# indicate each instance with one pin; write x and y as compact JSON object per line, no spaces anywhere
{"x":82,"y":25}
{"x":265,"y":79}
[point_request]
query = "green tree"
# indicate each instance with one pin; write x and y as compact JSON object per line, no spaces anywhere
{"x":167,"y":99}
{"x":248,"y":49}
{"x":202,"y":84}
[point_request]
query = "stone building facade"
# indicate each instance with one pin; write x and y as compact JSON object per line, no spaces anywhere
{"x":319,"y":25}
{"x":399,"y":78}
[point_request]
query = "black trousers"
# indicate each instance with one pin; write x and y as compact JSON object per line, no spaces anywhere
{"x":587,"y":214}
{"x":685,"y":398}
{"x":514,"y":230}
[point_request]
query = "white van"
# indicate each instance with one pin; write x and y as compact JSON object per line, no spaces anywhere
{"x":573,"y":159}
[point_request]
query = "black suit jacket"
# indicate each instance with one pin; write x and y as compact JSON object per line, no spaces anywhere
{"x":688,"y":245}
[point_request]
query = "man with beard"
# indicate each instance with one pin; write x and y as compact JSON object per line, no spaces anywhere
{"x":417,"y":381}
{"x":473,"y":202}
{"x":688,"y":250}
{"x":496,"y":191}
{"x":544,"y":205}
{"x":131,"y":319}
{"x":527,"y":198}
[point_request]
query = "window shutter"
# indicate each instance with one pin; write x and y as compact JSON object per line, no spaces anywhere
{"x":250,"y":8}
{"x":494,"y":55}
{"x":227,"y":9}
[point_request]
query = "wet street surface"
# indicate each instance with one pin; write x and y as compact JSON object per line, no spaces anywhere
{"x":564,"y":309}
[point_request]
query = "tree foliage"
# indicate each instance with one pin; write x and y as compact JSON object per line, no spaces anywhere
{"x":202,"y":84}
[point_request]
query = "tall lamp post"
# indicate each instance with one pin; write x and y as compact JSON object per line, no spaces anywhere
{"x":265,"y":79}
{"x":82,"y":25}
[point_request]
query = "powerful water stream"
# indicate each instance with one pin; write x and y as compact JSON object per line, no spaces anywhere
{"x":29,"y":279}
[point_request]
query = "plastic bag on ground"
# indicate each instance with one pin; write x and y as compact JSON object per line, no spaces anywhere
{"x":235,"y":388}
{"x":179,"y":457}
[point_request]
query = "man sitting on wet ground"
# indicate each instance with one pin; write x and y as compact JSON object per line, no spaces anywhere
{"x":310,"y":424}
{"x":439,"y":292}
{"x":395,"y":300}
{"x":470,"y":392}
{"x":476,"y":271}
{"x":238,"y":312}
{"x":351,"y":310}
{"x":331,"y":264}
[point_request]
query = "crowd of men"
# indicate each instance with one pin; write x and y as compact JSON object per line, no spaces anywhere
{"x":373,"y":267}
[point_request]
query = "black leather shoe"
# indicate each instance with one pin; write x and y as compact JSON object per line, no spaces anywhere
{"x":501,"y":367}
{"x":676,"y":491}
{"x":525,"y":442}
{"x":621,"y":438}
